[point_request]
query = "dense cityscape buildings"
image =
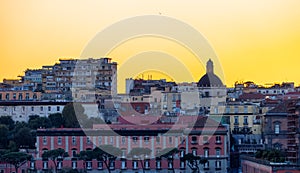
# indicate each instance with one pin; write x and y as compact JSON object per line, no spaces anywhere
{"x":208,"y":126}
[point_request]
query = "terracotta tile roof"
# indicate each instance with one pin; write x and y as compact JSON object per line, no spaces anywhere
{"x":251,"y":96}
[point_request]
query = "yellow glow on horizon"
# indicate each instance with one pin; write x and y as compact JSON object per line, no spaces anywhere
{"x":254,"y":40}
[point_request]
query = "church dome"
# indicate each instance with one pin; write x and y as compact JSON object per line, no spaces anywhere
{"x":210,"y":79}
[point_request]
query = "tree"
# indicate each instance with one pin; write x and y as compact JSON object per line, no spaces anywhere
{"x":73,"y":114}
{"x":57,"y":120}
{"x":168,"y":153}
{"x":3,"y":136}
{"x":8,"y":121}
{"x":24,"y":138}
{"x":194,"y":161}
{"x":271,"y":155}
{"x":55,"y":155}
{"x":86,"y":156}
{"x":16,"y":158}
{"x":36,"y":122}
{"x":107,"y":154}
{"x":141,"y":154}
{"x":12,"y":146}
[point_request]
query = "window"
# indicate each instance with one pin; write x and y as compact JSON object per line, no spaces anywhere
{"x":49,"y":108}
{"x":123,"y":153}
{"x":206,"y":94}
{"x":182,"y":152}
{"x":32,"y":108}
{"x":157,"y":139}
{"x":147,"y":164}
{"x":206,"y":166}
{"x":7,"y":96}
{"x":170,"y":163}
{"x":123,"y":140}
{"x":236,"y":119}
{"x":158,"y":164}
{"x":277,"y":128}
{"x":218,"y":139}
{"x":32,"y":165}
{"x":88,"y":140}
{"x":59,"y":164}
{"x":206,"y":152}
{"x":59,"y":140}
{"x":42,"y":108}
{"x":245,"y":120}
{"x":134,"y":139}
{"x":218,"y":164}
{"x":111,"y":140}
{"x":89,"y":165}
{"x":123,"y":164}
{"x":174,"y":98}
{"x":194,"y":151}
{"x":73,"y":140}
{"x":194,"y":140}
{"x":218,"y":152}
{"x":44,"y":140}
{"x":236,"y":109}
{"x":45,"y":164}
{"x":111,"y":164}
{"x":27,"y":96}
{"x":135,"y":164}
{"x":100,"y":164}
{"x":146,"y":140}
{"x":227,"y":111}
{"x":74,"y":152}
{"x":0,"y":96}
{"x":74,"y":164}
{"x":57,"y":108}
{"x":100,"y":140}
{"x":20,"y":96}
{"x":245,"y":109}
{"x":170,"y":140}
{"x":182,"y":164}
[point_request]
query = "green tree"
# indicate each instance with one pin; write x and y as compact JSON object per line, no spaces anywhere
{"x":8,"y":121}
{"x":73,"y":114}
{"x":16,"y":158}
{"x":12,"y":146}
{"x":107,"y":154}
{"x":57,"y":120}
{"x":55,"y":155}
{"x":24,"y":138}
{"x":86,"y":156}
{"x":168,"y":153}
{"x":194,"y":161}
{"x":140,"y":153}
{"x":36,"y":122}
{"x":3,"y":136}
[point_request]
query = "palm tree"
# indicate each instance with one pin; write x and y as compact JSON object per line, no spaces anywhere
{"x":168,"y":153}
{"x":54,"y":155}
{"x":107,"y":154}
{"x":85,"y":156}
{"x":194,"y":161}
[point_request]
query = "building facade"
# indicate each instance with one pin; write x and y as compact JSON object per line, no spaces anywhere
{"x":208,"y":141}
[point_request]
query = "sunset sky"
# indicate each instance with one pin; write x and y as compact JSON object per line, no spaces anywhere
{"x":254,"y":40}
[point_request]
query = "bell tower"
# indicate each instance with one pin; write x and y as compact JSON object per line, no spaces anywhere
{"x":209,"y":67}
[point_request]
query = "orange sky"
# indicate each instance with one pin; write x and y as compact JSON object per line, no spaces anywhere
{"x":254,"y":40}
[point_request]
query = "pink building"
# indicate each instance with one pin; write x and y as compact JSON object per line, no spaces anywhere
{"x":206,"y":138}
